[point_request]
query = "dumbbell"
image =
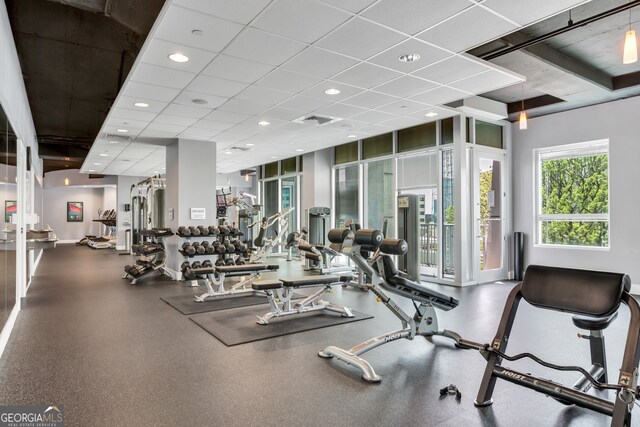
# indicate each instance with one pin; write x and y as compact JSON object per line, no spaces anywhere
{"x":219,"y":262}
{"x":224,"y":229}
{"x":185,"y":266}
{"x":195,"y":265}
{"x":240,"y":261}
{"x":229,"y":247}
{"x":219,"y":248}
{"x":207,"y":264}
{"x":240,"y":247}
{"x":188,"y":249}
{"x":208,"y":248}
{"x":184,"y":231}
{"x":199,"y":248}
{"x":229,"y":261}
{"x":204,"y":231}
{"x":213,"y":230}
{"x":194,"y":230}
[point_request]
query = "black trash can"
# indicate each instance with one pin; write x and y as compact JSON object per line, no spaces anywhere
{"x":518,"y":255}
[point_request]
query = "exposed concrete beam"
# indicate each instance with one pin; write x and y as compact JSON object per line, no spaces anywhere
{"x":559,"y":60}
{"x":531,"y":103}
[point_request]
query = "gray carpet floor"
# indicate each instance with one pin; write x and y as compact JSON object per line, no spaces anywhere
{"x":117,"y":355}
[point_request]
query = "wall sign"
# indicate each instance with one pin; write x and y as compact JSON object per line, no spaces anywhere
{"x":198,"y":213}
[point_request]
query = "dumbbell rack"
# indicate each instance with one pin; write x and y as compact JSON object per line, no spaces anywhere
{"x":157,"y":257}
{"x":220,"y":238}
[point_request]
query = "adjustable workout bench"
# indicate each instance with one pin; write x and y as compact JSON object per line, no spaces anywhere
{"x":320,"y":258}
{"x":217,"y":274}
{"x":384,"y":275}
{"x":594,"y":298}
{"x":279,"y":293}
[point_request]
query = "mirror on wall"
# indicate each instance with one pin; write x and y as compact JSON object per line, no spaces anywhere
{"x":8,"y":201}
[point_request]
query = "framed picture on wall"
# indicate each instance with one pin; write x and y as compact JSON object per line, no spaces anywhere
{"x":75,"y":211}
{"x":10,"y":207}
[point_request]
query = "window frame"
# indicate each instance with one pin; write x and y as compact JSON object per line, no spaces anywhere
{"x":566,"y":151}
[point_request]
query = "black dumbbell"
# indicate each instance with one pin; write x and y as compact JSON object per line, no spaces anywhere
{"x":219,"y":262}
{"x":185,"y":266}
{"x":229,"y":261}
{"x":240,"y":261}
{"x":207,"y":264}
{"x":208,"y":248}
{"x":194,"y":230}
{"x":240,"y":247}
{"x":223,"y":229}
{"x":204,"y":231}
{"x":127,"y":268}
{"x":184,"y":231}
{"x":198,"y":247}
{"x":213,"y":230}
{"x":188,"y":249}
{"x":219,"y":248}
{"x":230,"y":247}
{"x":196,"y":264}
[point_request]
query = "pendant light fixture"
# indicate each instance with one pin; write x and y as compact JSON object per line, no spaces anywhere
{"x":523,"y":115}
{"x":630,"y":54}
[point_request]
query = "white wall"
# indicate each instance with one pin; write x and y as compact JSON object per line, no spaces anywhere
{"x":57,"y":179}
{"x":55,"y":211}
{"x":616,"y":121}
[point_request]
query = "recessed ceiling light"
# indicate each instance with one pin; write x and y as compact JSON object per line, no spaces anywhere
{"x":113,"y":142}
{"x":178,"y":57}
{"x":352,"y":136}
{"x":91,"y":170}
{"x":431,"y":114}
{"x":156,"y":171}
{"x":274,"y":157}
{"x":97,"y":164}
{"x":332,"y":91}
{"x":104,"y":155}
{"x":199,"y":101}
{"x":299,"y":150}
{"x":227,"y":152}
{"x":196,"y":32}
{"x":250,"y":144}
{"x":141,"y":104}
{"x":409,"y":57}
{"x":122,"y":130}
{"x":264,"y":123}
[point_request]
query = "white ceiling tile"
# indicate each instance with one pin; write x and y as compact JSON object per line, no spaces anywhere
{"x":127,"y":123}
{"x":236,"y":69}
{"x":521,"y":11}
{"x":405,"y":86}
{"x":374,"y":130}
{"x":215,"y":86}
{"x":440,"y":95}
{"x":238,"y":11}
{"x":373,"y":117}
{"x":227,"y":117}
{"x":451,"y":69}
{"x":304,"y":103}
{"x":448,"y":34}
{"x":280,"y":113}
{"x":211,"y":125}
{"x":289,"y":81}
{"x":263,"y":95}
{"x":370,"y":100}
{"x":413,"y":16}
{"x":133,"y":132}
{"x":442,"y":113}
{"x":143,"y":92}
{"x":157,"y":53}
{"x":340,"y":110}
{"x":402,"y":122}
{"x":346,"y":91}
{"x":402,"y":107}
{"x":186,"y":98}
{"x":485,"y":82}
{"x":161,"y":76}
{"x":139,"y":114}
{"x":251,"y":126}
{"x":319,"y":62}
{"x":242,"y":107}
{"x":360,"y":39}
{"x":312,"y":19}
{"x":366,"y":75}
{"x":155,"y":133}
{"x":178,"y":24}
{"x":197,"y":133}
{"x":260,"y":46}
{"x":428,"y":55}
{"x":186,"y":111}
{"x":354,"y":6}
{"x":167,"y":119}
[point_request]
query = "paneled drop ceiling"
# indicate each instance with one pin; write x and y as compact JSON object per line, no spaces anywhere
{"x":268,"y":61}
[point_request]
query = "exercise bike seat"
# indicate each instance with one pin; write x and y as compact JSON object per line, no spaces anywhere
{"x":593,"y":323}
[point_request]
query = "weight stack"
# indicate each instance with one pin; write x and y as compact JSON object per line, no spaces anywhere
{"x":518,"y":255}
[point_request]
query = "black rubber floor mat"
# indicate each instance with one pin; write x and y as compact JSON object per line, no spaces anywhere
{"x":186,"y":304}
{"x":240,"y":327}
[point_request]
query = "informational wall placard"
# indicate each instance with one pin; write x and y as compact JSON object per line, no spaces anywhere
{"x":198,"y":213}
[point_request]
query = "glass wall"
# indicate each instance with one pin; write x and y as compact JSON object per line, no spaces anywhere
{"x":379,"y":193}
{"x":346,"y":195}
{"x":8,"y":195}
{"x":448,"y":214}
{"x":289,"y":197}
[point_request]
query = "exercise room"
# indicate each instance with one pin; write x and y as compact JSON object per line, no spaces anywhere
{"x":319,"y":213}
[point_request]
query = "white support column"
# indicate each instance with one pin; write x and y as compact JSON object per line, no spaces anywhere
{"x":464,"y":227}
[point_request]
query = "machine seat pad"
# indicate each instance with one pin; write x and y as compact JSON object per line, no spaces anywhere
{"x":245,"y":268}
{"x":264,"y":285}
{"x":423,"y":291}
{"x":308,"y":281}
{"x":593,"y":323}
{"x":583,"y":292}
{"x":311,"y":255}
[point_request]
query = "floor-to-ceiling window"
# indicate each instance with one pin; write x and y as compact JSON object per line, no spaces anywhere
{"x":379,"y":194}
{"x":347,"y":190}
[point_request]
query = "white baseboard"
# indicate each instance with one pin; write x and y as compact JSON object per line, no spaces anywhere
{"x":635,"y":289}
{"x":66,"y":241}
{"x":120,"y":247}
{"x":8,"y":327}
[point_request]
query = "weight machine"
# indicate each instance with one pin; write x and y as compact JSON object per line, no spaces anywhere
{"x":147,"y":207}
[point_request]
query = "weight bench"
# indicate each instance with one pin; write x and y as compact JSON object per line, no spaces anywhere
{"x":217,"y":274}
{"x":279,"y":293}
{"x":593,"y":297}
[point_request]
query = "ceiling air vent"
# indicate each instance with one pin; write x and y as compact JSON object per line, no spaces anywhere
{"x":239,"y":148}
{"x":113,"y":137}
{"x":321,"y":120}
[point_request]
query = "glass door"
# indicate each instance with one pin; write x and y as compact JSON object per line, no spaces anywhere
{"x":489,"y":227}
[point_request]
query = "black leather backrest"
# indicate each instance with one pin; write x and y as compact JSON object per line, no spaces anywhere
{"x":390,"y":269}
{"x":590,"y":293}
